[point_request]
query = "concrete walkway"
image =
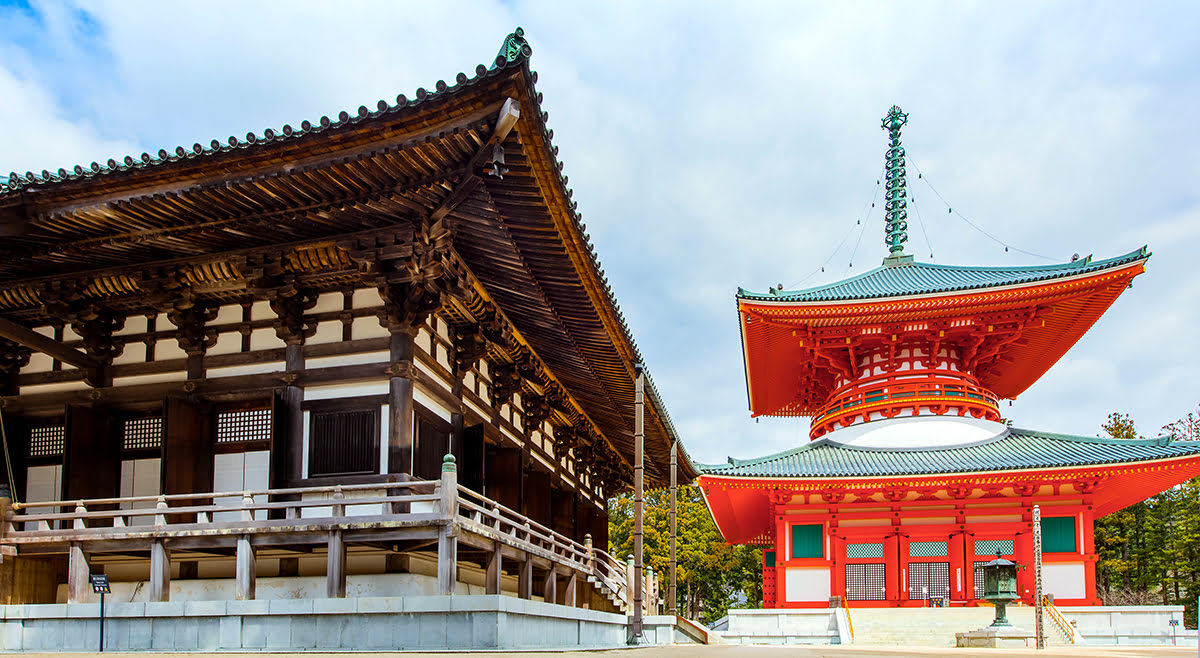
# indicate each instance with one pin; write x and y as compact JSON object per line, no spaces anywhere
{"x":731,"y":651}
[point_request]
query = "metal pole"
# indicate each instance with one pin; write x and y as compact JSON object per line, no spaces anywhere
{"x":639,"y":440}
{"x":672,"y":608}
{"x":102,"y":621}
{"x":1037,"y":577}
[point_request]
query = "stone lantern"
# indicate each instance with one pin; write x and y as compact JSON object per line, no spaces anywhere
{"x":1000,"y":586}
{"x":1000,"y":589}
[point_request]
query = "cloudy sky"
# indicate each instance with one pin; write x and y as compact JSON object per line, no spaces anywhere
{"x":713,"y":146}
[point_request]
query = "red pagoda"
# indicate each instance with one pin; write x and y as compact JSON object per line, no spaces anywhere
{"x":912,"y":479}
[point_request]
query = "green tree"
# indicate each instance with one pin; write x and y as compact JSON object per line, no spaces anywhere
{"x":712,"y":576}
{"x":1148,"y":552}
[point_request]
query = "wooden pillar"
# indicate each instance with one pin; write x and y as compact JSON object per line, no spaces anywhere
{"x":160,"y":572}
{"x":569,"y":594}
{"x":335,"y":566}
{"x":671,"y":592}
{"x":550,"y":588}
{"x":246,"y":569}
{"x":400,"y":402}
{"x":78,"y":571}
{"x":495,"y":570}
{"x":293,"y":404}
{"x":525,"y":578}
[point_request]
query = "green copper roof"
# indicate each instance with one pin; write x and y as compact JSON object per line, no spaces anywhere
{"x":1016,"y":449}
{"x":899,"y":280}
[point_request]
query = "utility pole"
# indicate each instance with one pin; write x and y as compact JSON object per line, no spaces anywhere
{"x":1037,"y":577}
{"x":672,"y":608}
{"x":639,"y":441}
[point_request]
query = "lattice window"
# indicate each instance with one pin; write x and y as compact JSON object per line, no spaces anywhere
{"x":344,"y":442}
{"x":990,"y":546}
{"x":142,"y":433}
{"x":861,"y":551}
{"x":927,"y":549}
{"x":979,"y":578}
{"x":47,"y":441}
{"x":926,"y":579}
{"x":243,"y":426}
{"x":866,"y":582}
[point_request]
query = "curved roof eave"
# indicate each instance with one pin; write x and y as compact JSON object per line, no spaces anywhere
{"x":915,"y":279}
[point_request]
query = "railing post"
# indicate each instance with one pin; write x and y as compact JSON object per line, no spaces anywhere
{"x":80,"y":510}
{"x":447,"y":534}
{"x":160,"y":517}
{"x":339,"y":509}
{"x":591,"y":553}
{"x":247,"y":501}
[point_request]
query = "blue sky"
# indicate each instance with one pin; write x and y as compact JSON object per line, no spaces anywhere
{"x":713,"y":146}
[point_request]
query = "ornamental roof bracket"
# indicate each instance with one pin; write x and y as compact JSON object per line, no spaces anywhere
{"x":896,"y":195}
{"x":514,"y":47}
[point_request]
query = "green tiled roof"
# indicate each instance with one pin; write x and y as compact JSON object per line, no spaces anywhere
{"x":897,"y":280}
{"x":1016,"y":449}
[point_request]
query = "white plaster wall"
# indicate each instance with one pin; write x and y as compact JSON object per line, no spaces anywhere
{"x":382,"y":356}
{"x":431,"y":403}
{"x":367,"y":328}
{"x":807,"y":583}
{"x":1065,"y":580}
{"x":346,"y":390}
{"x":327,"y":332}
{"x":252,"y":369}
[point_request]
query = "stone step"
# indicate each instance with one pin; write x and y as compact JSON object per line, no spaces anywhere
{"x":937,"y":626}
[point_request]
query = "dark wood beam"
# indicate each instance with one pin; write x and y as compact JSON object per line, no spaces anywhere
{"x":35,"y":341}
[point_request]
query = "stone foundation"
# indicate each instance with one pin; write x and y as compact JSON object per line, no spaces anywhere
{"x":389,"y":623}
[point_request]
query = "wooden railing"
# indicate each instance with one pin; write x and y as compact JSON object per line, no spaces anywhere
{"x":112,"y":515}
{"x":410,"y":504}
{"x":921,"y":388}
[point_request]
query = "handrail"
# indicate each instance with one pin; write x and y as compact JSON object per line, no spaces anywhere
{"x":225,"y":511}
{"x":333,"y":488}
{"x":849,"y":623}
{"x":1068,"y":629}
{"x":896,"y":389}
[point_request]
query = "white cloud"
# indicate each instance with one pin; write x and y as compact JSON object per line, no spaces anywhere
{"x":713,"y":146}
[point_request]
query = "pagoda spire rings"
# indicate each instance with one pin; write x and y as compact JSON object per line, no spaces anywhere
{"x":896,"y":181}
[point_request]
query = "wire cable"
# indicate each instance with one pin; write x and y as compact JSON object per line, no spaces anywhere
{"x":973,"y":225}
{"x":863,"y":214}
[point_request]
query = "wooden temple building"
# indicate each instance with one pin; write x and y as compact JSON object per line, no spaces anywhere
{"x":236,"y":369}
{"x":912,"y":479}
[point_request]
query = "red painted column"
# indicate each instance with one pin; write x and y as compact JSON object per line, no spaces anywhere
{"x":1023,"y":547}
{"x":837,"y":566}
{"x":957,"y":566}
{"x":891,"y":557}
{"x":1088,"y":543}
{"x":782,"y":555}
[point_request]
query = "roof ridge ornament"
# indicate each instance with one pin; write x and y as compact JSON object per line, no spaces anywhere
{"x":514,"y":47}
{"x":896,"y":195}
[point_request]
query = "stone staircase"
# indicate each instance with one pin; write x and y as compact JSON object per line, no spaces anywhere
{"x":933,"y":627}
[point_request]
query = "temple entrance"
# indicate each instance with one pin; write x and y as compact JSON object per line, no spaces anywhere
{"x":929,"y":580}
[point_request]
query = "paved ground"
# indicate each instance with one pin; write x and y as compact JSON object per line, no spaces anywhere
{"x":729,"y":651}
